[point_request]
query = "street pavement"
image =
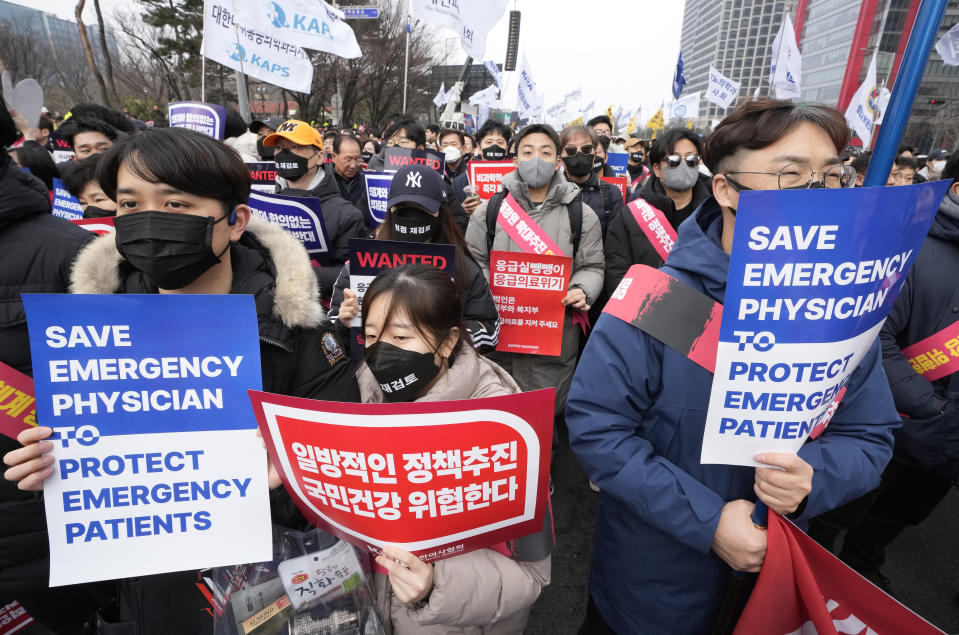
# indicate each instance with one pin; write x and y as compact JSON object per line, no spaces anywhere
{"x":922,"y":564}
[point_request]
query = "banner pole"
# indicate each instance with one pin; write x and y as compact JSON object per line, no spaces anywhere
{"x":921,"y":39}
{"x":406,"y":64}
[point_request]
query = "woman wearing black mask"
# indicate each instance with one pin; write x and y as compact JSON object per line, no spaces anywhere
{"x":415,"y":338}
{"x":419,"y":213}
{"x":370,"y":149}
{"x":183,"y":227}
{"x":578,"y":151}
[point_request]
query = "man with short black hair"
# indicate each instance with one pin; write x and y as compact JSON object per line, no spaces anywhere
{"x":89,"y":136}
{"x":451,"y":145}
{"x":432,"y":133}
{"x":601,"y":125}
{"x":670,"y":530}
{"x":403,"y":133}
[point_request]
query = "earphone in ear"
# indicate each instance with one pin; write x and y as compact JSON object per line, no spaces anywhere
{"x":232,"y":218}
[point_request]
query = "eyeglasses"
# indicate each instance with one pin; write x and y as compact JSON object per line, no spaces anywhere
{"x":395,"y":141}
{"x":798,"y":176}
{"x":673,"y":160}
{"x":572,"y":150}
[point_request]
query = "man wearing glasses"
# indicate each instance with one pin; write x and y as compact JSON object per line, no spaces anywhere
{"x":676,"y":188}
{"x":670,"y":531}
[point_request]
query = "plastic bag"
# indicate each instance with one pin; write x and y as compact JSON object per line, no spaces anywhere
{"x":316,"y":584}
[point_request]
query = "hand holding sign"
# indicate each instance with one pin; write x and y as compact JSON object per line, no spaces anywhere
{"x":738,"y":541}
{"x":576,"y":299}
{"x":410,"y":577}
{"x":350,"y":306}
{"x":32,"y":463}
{"x":785,"y":484}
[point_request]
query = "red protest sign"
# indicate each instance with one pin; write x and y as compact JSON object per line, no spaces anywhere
{"x":804,"y":588}
{"x":18,"y":408}
{"x":487,"y":176}
{"x":528,"y":290}
{"x":435,"y":478}
{"x":621,"y":182}
{"x":98,"y":226}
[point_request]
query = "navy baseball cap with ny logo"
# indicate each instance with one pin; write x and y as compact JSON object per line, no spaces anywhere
{"x":417,"y":184}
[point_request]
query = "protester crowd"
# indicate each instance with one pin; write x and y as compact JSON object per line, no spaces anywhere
{"x":673,"y":535}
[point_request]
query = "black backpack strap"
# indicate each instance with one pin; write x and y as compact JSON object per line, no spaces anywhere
{"x":492,"y":212}
{"x":604,"y":191}
{"x":575,"y":209}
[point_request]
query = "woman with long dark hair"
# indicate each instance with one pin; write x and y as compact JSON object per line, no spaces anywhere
{"x":419,"y":212}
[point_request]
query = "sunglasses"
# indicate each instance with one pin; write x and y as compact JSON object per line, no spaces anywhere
{"x":572,"y":150}
{"x":673,"y":160}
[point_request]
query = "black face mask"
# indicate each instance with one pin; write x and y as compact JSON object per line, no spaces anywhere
{"x":402,"y":375}
{"x":634,"y":170}
{"x":92,"y":211}
{"x":598,"y":164}
{"x":579,"y":164}
{"x":636,"y":157}
{"x":413,"y":225}
{"x":494,"y":153}
{"x":171,"y":249}
{"x":367,"y":156}
{"x":290,"y":166}
{"x":266,"y":152}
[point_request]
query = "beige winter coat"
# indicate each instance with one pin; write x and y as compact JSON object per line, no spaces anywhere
{"x":481,"y":592}
{"x":533,"y":372}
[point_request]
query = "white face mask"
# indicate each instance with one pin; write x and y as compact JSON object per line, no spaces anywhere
{"x":938,"y":165}
{"x":452,"y":154}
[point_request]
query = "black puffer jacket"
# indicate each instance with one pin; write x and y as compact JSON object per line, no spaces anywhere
{"x":342,"y":219}
{"x":603,"y":198}
{"x":928,"y":303}
{"x":299,"y":354}
{"x":354,"y":190}
{"x":627,"y":245}
{"x":36,"y":250}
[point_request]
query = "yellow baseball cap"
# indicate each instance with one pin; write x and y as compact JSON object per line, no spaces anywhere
{"x":299,"y":132}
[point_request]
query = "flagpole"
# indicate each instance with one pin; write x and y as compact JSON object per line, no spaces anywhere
{"x":921,"y":40}
{"x":406,"y":64}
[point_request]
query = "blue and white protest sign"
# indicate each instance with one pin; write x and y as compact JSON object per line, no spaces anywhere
{"x":618,"y":162}
{"x":812,"y":276}
{"x":157,"y":466}
{"x":301,"y":216}
{"x":65,"y":205}
{"x":378,"y":193}
{"x":209,"y":119}
{"x":722,"y":91}
{"x":254,"y":48}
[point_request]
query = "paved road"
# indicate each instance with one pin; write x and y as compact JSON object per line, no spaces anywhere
{"x":923,"y":564}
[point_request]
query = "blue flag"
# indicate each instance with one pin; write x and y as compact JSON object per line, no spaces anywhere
{"x":679,"y":80}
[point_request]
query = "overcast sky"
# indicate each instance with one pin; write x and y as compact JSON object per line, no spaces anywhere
{"x":620,"y":51}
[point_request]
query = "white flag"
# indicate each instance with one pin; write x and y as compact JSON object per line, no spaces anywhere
{"x":721,"y":90}
{"x":863,"y":109}
{"x":471,"y":19}
{"x":574,"y":96}
{"x":311,"y":24}
{"x":262,"y":54}
{"x":948,"y":46}
{"x":884,"y":96}
{"x":686,"y":107}
{"x":440,"y":98}
{"x":525,"y":91}
{"x":486,"y":96}
{"x":786,"y":67}
{"x":494,"y":71}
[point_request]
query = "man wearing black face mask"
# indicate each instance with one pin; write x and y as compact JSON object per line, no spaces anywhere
{"x":301,"y":171}
{"x":188,"y":230}
{"x":676,"y":188}
{"x":492,"y":141}
{"x":262,"y":128}
{"x":578,"y":147}
{"x":636,"y":166}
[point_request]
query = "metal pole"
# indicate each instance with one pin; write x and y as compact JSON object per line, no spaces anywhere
{"x":241,"y":97}
{"x":921,"y":39}
{"x":202,"y":77}
{"x":406,"y":64}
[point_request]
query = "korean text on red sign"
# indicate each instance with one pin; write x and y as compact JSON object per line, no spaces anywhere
{"x":528,"y":290}
{"x":435,"y":478}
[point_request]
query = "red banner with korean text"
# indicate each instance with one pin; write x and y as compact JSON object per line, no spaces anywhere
{"x":435,"y":478}
{"x":13,"y":618}
{"x":936,"y":356}
{"x":487,"y":176}
{"x":802,"y":588}
{"x":619,"y":181}
{"x":18,"y":408}
{"x":653,"y":222}
{"x":98,"y":226}
{"x":528,"y":290}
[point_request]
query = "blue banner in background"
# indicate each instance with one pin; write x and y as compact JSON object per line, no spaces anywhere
{"x":208,"y":119}
{"x":301,"y":216}
{"x":65,"y":205}
{"x":378,"y":193}
{"x":617,"y":161}
{"x":812,"y":276}
{"x":155,"y":448}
